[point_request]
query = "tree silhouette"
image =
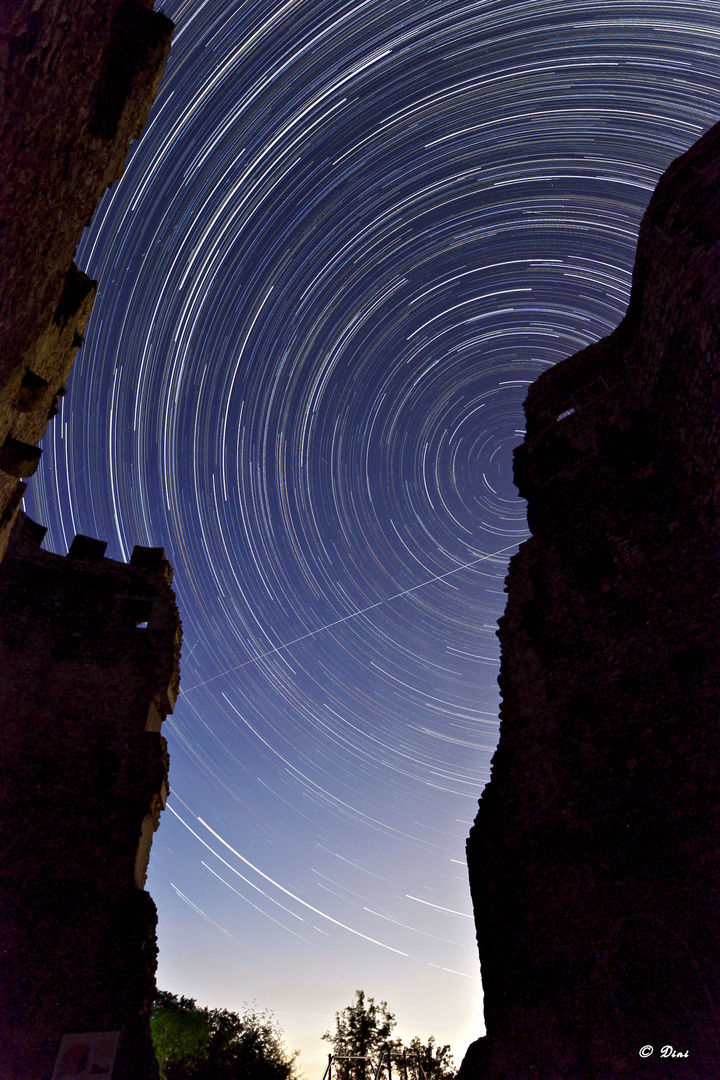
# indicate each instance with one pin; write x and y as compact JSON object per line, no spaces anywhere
{"x":435,"y":1061}
{"x":192,"y":1043}
{"x":362,"y":1030}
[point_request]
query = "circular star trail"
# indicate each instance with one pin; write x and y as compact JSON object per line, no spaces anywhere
{"x":350,"y":237}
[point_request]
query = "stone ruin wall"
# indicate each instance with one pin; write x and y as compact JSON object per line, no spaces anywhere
{"x":595,"y":857}
{"x":89,"y":647}
{"x":89,"y":655}
{"x":77,"y":79}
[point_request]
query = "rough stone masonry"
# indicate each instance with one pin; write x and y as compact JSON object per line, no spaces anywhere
{"x":89,"y":647}
{"x":77,"y":79}
{"x":595,"y":857}
{"x":89,"y":656}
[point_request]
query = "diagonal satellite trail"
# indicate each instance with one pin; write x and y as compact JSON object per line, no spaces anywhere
{"x":352,"y":615}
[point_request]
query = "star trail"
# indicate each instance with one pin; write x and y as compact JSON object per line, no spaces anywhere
{"x":350,"y":237}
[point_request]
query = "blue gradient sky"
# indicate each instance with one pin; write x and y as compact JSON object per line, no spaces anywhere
{"x":350,"y":237}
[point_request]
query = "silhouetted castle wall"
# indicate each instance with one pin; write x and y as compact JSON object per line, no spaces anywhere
{"x":89,"y":654}
{"x":595,"y":856}
{"x":89,"y":647}
{"x":77,"y":79}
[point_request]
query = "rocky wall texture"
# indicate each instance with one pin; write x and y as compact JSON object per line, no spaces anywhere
{"x":89,"y":647}
{"x":595,"y":857}
{"x":77,"y":79}
{"x":89,"y":654}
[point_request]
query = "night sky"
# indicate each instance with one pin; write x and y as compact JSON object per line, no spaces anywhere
{"x":350,"y":237}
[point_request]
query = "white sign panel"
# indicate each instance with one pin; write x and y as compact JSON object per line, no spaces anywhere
{"x":90,"y":1056}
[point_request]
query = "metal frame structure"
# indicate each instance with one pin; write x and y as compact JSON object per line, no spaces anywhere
{"x":384,"y":1063}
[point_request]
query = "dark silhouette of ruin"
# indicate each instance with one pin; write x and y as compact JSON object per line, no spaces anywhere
{"x":89,"y":647}
{"x":595,"y":857}
{"x":77,"y":79}
{"x":89,"y":655}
